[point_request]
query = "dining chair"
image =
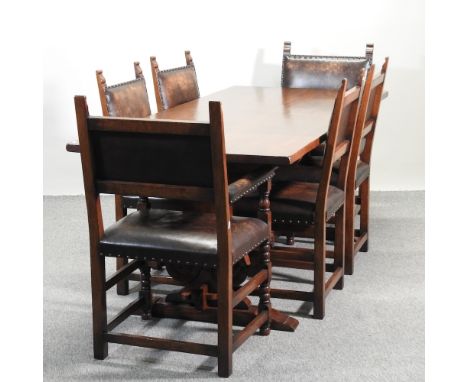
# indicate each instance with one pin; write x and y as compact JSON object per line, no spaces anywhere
{"x":305,"y":208}
{"x":115,"y":156}
{"x":356,"y":240}
{"x":175,"y":86}
{"x":359,"y":174}
{"x":321,"y":72}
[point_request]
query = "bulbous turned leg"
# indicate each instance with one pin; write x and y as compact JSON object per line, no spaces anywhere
{"x":145,"y":291}
{"x":265,"y":303}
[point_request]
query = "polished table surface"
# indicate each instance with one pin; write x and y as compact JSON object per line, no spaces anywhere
{"x":275,"y":126}
{"x":262,"y":125}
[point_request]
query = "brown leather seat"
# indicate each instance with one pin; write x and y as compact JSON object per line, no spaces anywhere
{"x":313,"y":172}
{"x":179,"y":237}
{"x":292,"y":202}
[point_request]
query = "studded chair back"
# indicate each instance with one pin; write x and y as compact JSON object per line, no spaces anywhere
{"x":173,"y":87}
{"x":127,"y":99}
{"x":322,"y":72}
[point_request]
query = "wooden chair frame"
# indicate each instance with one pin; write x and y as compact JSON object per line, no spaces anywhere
{"x":218,"y":195}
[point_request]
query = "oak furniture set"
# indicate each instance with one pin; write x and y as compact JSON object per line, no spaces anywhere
{"x":214,"y":183}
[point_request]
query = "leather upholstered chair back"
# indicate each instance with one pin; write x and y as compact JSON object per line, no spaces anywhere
{"x":173,"y":87}
{"x":127,"y":99}
{"x":322,"y":72}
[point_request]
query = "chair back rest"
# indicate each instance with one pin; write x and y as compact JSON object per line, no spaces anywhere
{"x":176,"y":86}
{"x":322,"y":72}
{"x":154,"y":158}
{"x":127,"y":99}
{"x":339,"y":142}
{"x":371,"y":114}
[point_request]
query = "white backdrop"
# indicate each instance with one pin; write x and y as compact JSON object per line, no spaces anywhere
{"x":235,"y":43}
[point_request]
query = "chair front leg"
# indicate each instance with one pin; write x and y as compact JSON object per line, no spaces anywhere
{"x":98,"y":290}
{"x":264,"y":291}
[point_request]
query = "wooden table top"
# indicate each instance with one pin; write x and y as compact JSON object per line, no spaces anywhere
{"x":275,"y":126}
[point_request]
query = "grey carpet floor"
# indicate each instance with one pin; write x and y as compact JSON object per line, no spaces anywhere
{"x":373,"y":329}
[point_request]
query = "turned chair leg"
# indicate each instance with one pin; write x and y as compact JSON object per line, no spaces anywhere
{"x":290,"y":239}
{"x":265,"y":303}
{"x":98,"y":280}
{"x":145,"y":291}
{"x":120,"y":212}
{"x":339,"y":246}
{"x":364,"y":193}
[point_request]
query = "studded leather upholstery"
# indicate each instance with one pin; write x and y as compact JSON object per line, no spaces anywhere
{"x":129,"y":99}
{"x":178,"y":237}
{"x":177,"y":86}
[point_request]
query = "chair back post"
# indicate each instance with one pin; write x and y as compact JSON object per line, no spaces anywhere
{"x":320,"y":209}
{"x":157,"y":90}
{"x":370,"y":53}
{"x":101,"y":83}
{"x":360,"y":123}
{"x":93,"y":202}
{"x":287,"y":48}
{"x":373,"y":111}
{"x":188,"y":58}
{"x":138,"y":71}
{"x":223,"y":232}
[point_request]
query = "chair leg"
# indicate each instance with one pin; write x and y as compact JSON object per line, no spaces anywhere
{"x":290,"y":239}
{"x":339,"y":246}
{"x":319,"y":278}
{"x":349,"y":232}
{"x":120,"y":212}
{"x":225,"y":317}
{"x":265,"y":303}
{"x":364,"y":193}
{"x":98,"y":280}
{"x":145,"y":292}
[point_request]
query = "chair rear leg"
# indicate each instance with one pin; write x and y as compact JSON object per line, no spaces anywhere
{"x":349,"y":233}
{"x":319,"y":280}
{"x":364,"y":192}
{"x":120,"y":212}
{"x":98,"y":290}
{"x":339,"y":246}
{"x":290,"y":239}
{"x":265,"y":303}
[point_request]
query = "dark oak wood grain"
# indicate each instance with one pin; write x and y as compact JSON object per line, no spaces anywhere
{"x":262,"y":125}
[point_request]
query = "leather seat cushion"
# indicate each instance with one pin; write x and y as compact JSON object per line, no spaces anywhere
{"x":292,"y":202}
{"x":179,"y":237}
{"x":312,"y":172}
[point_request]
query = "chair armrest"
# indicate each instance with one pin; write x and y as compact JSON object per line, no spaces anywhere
{"x":249,"y":183}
